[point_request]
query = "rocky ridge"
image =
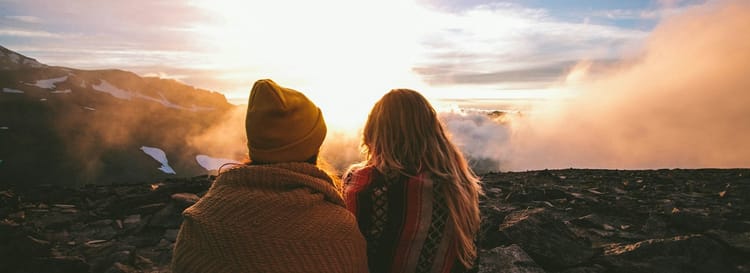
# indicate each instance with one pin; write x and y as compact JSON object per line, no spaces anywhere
{"x":94,"y":123}
{"x":571,"y":221}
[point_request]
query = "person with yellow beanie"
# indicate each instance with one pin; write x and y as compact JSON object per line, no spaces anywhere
{"x":280,"y":212}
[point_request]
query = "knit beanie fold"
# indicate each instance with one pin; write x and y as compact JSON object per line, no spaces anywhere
{"x":282,"y":124}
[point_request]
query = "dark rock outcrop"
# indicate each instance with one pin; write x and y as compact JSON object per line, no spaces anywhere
{"x":510,"y":259}
{"x":621,"y":221}
{"x":116,"y":228}
{"x":571,"y":221}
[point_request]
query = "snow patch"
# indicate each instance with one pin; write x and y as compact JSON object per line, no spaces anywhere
{"x":3,"y":127}
{"x":164,"y":101}
{"x":106,"y":87}
{"x":14,"y":91}
{"x":89,"y":108}
{"x":49,"y":83}
{"x":159,"y":155}
{"x":42,"y":99}
{"x":66,"y":91}
{"x":212,"y":163}
{"x":32,"y":63}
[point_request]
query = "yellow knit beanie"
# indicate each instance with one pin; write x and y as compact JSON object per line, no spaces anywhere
{"x":282,"y":124}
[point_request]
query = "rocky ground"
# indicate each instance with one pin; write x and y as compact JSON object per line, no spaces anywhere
{"x":539,"y":221}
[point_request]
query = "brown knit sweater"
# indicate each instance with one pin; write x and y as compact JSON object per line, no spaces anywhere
{"x":284,"y":217}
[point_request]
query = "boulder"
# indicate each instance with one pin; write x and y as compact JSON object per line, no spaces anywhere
{"x":688,"y":253}
{"x":168,"y":217}
{"x":186,"y":199}
{"x":510,"y":259}
{"x":737,"y":241}
{"x":59,"y":264}
{"x":546,"y":239}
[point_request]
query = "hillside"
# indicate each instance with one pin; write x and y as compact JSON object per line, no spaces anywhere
{"x":68,"y":126}
{"x":572,"y":221}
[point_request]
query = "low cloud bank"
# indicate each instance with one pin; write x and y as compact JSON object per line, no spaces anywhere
{"x":682,"y":104}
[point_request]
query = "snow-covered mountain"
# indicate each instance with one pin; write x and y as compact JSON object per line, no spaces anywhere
{"x":62,"y":125}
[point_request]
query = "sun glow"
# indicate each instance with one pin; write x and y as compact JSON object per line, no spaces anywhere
{"x":343,"y":54}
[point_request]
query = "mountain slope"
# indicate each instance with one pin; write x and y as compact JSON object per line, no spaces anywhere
{"x":61,"y":125}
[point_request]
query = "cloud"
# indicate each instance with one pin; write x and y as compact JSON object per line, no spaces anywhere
{"x":508,"y":43}
{"x":663,"y":9}
{"x":14,"y":32}
{"x":481,"y":138}
{"x":25,"y":18}
{"x":101,"y":34}
{"x":536,"y":77}
{"x":682,"y":104}
{"x":628,"y":14}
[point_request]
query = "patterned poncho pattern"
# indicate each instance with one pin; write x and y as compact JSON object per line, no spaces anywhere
{"x":404,"y":220}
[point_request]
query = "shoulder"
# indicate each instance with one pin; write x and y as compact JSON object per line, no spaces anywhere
{"x":356,"y":171}
{"x":357,"y":177}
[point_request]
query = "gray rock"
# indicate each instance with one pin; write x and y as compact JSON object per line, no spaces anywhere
{"x":59,"y":264}
{"x":690,"y":253}
{"x":8,"y":230}
{"x":121,"y":268}
{"x":171,"y":234}
{"x":63,"y":206}
{"x":143,"y":262}
{"x":144,"y":239}
{"x":164,"y":245}
{"x":596,"y":221}
{"x":29,"y":246}
{"x":168,"y":217}
{"x":57,"y":236}
{"x":101,"y":223}
{"x":511,"y":259}
{"x":738,"y":241}
{"x":655,"y":225}
{"x":587,"y":269}
{"x":52,"y":220}
{"x":692,"y":221}
{"x":123,"y":256}
{"x":132,"y":221}
{"x":186,"y":199}
{"x":547,"y":240}
{"x":97,"y":233}
{"x":98,"y":254}
{"x":150,"y":208}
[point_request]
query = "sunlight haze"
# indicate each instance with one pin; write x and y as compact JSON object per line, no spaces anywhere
{"x":520,"y":84}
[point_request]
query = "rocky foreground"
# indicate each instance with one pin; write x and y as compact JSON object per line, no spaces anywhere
{"x":540,"y":221}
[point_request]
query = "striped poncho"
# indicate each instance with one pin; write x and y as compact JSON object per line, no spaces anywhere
{"x":404,"y":220}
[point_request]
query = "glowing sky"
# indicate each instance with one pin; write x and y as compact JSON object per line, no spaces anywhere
{"x":647,"y":83}
{"x":354,"y":50}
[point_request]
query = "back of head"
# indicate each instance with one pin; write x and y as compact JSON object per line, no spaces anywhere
{"x":282,"y":124}
{"x":401,"y":130}
{"x":403,"y":135}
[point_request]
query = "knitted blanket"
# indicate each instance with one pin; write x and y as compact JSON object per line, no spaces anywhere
{"x":284,"y":217}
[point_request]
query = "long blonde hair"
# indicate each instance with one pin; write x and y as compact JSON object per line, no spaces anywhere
{"x":404,"y":136}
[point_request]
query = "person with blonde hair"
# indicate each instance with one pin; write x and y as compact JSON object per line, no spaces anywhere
{"x":280,"y":212}
{"x":415,"y":198}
